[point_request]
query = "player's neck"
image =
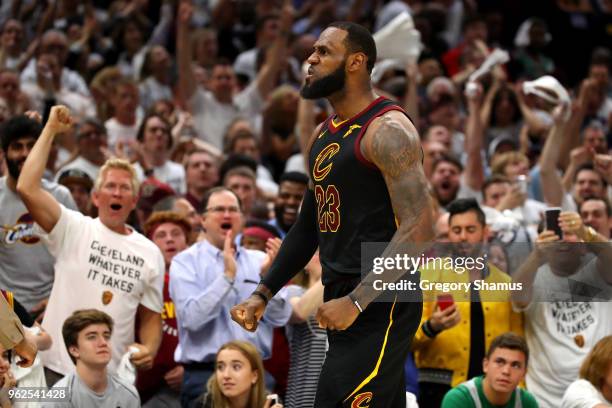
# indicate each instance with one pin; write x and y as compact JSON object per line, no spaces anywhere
{"x":350,"y":102}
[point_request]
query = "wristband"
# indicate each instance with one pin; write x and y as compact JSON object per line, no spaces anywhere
{"x":355,"y":302}
{"x":261,"y":295}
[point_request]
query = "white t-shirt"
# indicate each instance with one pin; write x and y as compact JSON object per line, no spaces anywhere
{"x":212,"y":117}
{"x":98,"y":268}
{"x":116,"y":131}
{"x":560,"y":334}
{"x":82,"y":164}
{"x":582,"y":394}
{"x":170,"y":173}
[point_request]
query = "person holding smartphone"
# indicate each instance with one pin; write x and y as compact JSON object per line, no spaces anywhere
{"x":457,"y":327}
{"x":565,"y":301}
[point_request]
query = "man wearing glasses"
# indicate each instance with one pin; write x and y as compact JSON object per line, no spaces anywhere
{"x":209,"y":278}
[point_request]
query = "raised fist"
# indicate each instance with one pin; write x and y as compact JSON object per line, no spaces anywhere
{"x":60,"y":120}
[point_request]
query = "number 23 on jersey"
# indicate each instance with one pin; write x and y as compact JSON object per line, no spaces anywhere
{"x":328,"y":208}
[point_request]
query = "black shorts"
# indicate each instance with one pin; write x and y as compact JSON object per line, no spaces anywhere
{"x":364,"y":366}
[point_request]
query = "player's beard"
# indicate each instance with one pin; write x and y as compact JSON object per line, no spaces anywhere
{"x":13,"y":167}
{"x":325,"y":86}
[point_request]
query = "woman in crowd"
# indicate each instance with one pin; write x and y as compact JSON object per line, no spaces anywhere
{"x":238,"y":381}
{"x":594,"y":388}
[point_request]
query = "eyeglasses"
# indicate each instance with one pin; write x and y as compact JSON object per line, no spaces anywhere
{"x":222,"y":210}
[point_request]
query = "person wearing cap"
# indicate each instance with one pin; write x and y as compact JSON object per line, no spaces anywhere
{"x":257,"y":233}
{"x":92,"y":143}
{"x":80,"y":185}
{"x":152,"y":191}
{"x":113,"y":267}
{"x":26,"y":267}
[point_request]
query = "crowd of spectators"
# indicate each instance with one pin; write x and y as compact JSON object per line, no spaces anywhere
{"x":154,"y":157}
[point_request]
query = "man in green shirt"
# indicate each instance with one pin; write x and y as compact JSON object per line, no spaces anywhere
{"x":505,"y":366}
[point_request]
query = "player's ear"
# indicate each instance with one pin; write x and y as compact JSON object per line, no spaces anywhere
{"x":356,"y":61}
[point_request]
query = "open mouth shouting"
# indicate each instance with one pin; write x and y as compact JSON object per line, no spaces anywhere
{"x":226,"y":226}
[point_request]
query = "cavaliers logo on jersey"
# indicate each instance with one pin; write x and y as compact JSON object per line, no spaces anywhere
{"x":361,"y":399}
{"x":320,"y":170}
{"x":350,"y":130}
{"x":23,"y":231}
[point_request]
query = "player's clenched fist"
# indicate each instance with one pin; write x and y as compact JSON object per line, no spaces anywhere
{"x":60,"y":120}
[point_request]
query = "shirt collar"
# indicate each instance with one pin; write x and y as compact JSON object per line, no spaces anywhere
{"x":216,"y":253}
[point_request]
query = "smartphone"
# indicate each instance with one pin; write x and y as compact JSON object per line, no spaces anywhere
{"x":521,"y":181}
{"x":445,"y":301}
{"x":274,"y":398}
{"x":552,"y":221}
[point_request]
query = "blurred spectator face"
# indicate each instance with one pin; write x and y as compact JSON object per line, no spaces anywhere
{"x":595,"y":214}
{"x":246,"y":146}
{"x":205,"y":46}
{"x":159,"y":59}
{"x":601,"y":74}
{"x":433,"y":151}
{"x":12,"y":37}
{"x":445,"y":181}
{"x":184,"y":208}
{"x":4,"y":111}
{"x":222,"y":81}
{"x":222,"y":215}
{"x":17,"y":153}
{"x":477,"y":30}
{"x":445,"y":114}
{"x":505,"y":109}
{"x":505,"y":369}
{"x":201,"y":171}
{"x":497,"y":257}
{"x":537,"y":35}
{"x":287,"y":205}
{"x":302,"y":47}
{"x":441,"y":228}
{"x":170,"y":239}
{"x":80,"y":194}
{"x":132,"y":37}
{"x":595,"y":138}
{"x":269,"y":31}
{"x":234,"y":374}
{"x":48,"y":67}
{"x":165,"y":109}
{"x":429,"y":69}
{"x":494,"y":193}
{"x":516,"y":168}
{"x":115,"y":198}
{"x":245,"y":189}
{"x":55,"y":43}
{"x":91,"y":141}
{"x":201,"y":76}
{"x":441,"y":135}
{"x":125,"y":98}
{"x":9,"y":86}
{"x":251,"y":242}
{"x":156,"y":136}
{"x":93,"y":347}
{"x":588,"y":183}
{"x":326,"y":73}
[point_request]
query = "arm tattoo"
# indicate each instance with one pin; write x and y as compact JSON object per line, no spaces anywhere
{"x":397,"y":152}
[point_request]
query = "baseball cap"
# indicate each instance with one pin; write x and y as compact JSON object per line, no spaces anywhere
{"x":77,"y":176}
{"x":153,"y":191}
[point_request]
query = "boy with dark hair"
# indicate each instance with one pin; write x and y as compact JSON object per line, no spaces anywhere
{"x":504,"y":368}
{"x":87,"y":336}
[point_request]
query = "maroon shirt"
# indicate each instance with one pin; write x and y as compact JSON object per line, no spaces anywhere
{"x":149,"y":382}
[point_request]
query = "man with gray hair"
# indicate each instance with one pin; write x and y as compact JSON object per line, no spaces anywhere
{"x":116,"y":269}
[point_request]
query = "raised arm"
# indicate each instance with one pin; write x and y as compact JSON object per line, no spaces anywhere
{"x":276,"y":54}
{"x":43,"y":207}
{"x":552,"y":187}
{"x":187,"y":82}
{"x":474,"y":135}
